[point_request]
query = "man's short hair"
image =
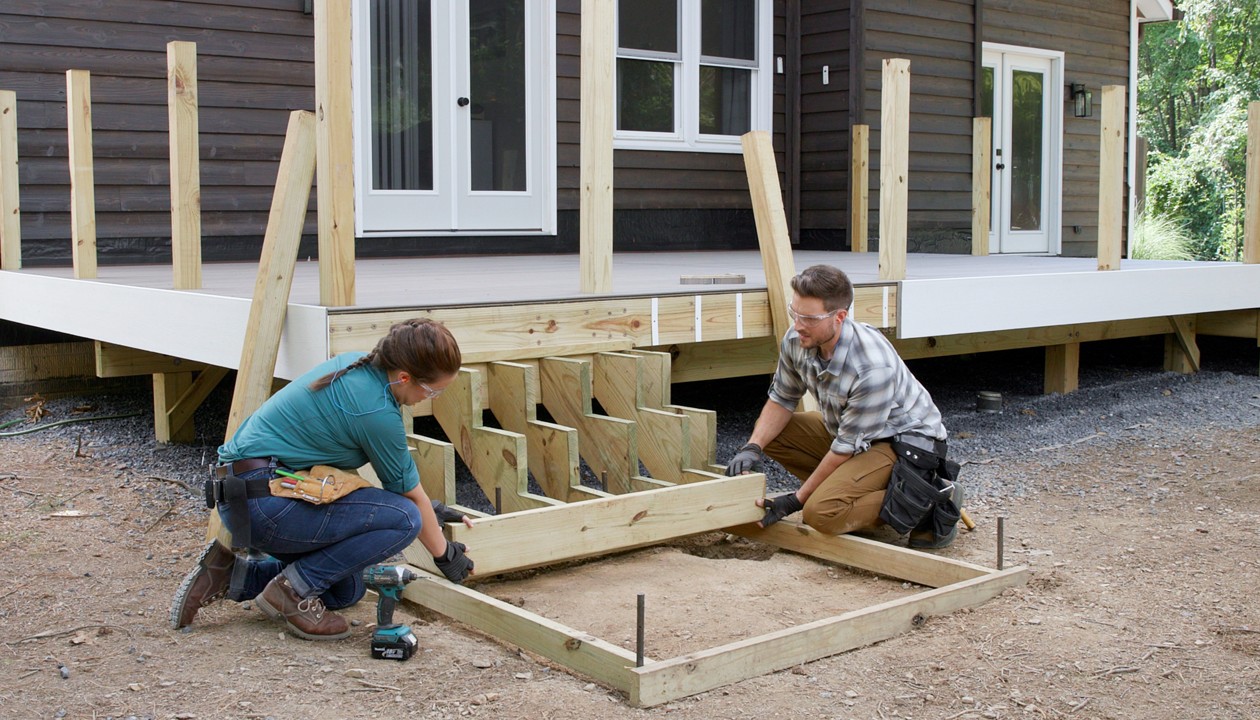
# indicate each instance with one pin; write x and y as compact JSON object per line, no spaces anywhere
{"x":826,"y":283}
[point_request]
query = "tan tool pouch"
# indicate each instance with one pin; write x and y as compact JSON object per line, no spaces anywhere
{"x":319,"y":485}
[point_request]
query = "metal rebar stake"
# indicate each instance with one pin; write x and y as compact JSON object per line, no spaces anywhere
{"x":638,"y":646}
{"x":1001,"y":541}
{"x":498,"y":500}
{"x":603,"y":481}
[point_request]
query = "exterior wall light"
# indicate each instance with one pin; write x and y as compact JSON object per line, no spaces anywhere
{"x":1082,"y":101}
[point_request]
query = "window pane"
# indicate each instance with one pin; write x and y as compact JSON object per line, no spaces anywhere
{"x":986,"y":92}
{"x":648,"y":25}
{"x":402,"y":102}
{"x":725,"y":100}
{"x":496,"y":50}
{"x":728,"y":28}
{"x":645,"y":95}
{"x":1027,"y":121}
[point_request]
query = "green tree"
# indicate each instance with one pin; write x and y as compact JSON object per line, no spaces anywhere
{"x":1196,"y":78}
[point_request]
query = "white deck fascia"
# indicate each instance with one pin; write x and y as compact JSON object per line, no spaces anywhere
{"x":194,"y":326}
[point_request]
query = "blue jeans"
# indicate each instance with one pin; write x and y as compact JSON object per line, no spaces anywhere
{"x":323,"y":549}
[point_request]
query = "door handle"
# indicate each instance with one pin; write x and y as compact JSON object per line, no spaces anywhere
{"x":1001,"y":166}
{"x":462,"y":102}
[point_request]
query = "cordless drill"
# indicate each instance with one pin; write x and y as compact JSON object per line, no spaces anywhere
{"x":391,"y":641}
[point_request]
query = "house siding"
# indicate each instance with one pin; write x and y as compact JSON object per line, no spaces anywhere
{"x":824,"y":167}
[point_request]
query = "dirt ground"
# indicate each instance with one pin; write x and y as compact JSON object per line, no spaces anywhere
{"x":1141,"y":603}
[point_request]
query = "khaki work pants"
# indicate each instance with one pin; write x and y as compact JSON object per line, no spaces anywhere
{"x":850,"y":498}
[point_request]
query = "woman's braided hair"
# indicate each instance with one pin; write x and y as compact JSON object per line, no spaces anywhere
{"x":423,"y":348}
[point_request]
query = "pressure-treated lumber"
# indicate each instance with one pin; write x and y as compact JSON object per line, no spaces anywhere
{"x":981,"y":183}
{"x":859,"y":188}
{"x":1111,"y":178}
{"x":609,"y":445}
{"x":435,"y":460}
{"x":964,"y":344}
{"x":894,"y":167}
{"x":657,"y":378}
{"x":82,"y":182}
{"x":664,"y":438}
{"x":595,"y":527}
{"x":1181,"y":352}
{"x":1251,"y":191}
{"x":496,"y":458}
{"x":183,"y":122}
{"x":118,"y":361}
{"x":334,"y":103}
{"x":1063,"y":366}
{"x":596,"y":155}
{"x":275,"y":270}
{"x":772,"y":229}
{"x":10,"y":209}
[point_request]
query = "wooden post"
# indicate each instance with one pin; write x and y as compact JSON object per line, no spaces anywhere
{"x":1063,"y":365}
{"x":1181,"y":349}
{"x":181,"y":109}
{"x":167,"y":389}
{"x":894,"y":165}
{"x":981,"y":183}
{"x":82,"y":182}
{"x":596,"y":156}
{"x":275,"y":270}
{"x":10,"y":212}
{"x":1251,"y":192}
{"x":772,"y":230}
{"x":335,"y":149}
{"x":859,"y":188}
{"x":1111,"y":178}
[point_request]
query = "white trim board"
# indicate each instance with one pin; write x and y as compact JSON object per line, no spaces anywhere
{"x":951,"y":306}
{"x":195,"y":326}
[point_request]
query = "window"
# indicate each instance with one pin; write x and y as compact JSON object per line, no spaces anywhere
{"x":692,"y":74}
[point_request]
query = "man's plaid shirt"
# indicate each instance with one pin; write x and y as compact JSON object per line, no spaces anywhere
{"x":865,"y":393}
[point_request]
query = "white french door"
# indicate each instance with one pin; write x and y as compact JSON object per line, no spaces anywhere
{"x":1022,"y":92}
{"x":453,"y":128}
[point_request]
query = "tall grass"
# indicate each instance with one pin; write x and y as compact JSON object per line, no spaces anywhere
{"x":1160,"y":237}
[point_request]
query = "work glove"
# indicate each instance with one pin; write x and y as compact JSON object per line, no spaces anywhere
{"x":778,"y":508}
{"x":445,"y":514}
{"x":454,"y":564}
{"x":748,"y":459}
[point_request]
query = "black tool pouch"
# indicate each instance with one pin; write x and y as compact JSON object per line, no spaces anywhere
{"x":919,"y":486}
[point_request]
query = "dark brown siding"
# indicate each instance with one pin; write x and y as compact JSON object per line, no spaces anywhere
{"x":255,"y":65}
{"x":825,"y":36}
{"x":1094,"y":35}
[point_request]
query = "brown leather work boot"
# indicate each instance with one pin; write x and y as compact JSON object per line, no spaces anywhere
{"x":306,"y":618}
{"x":205,"y":584}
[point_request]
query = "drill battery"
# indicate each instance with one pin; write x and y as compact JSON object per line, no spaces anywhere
{"x":395,"y":642}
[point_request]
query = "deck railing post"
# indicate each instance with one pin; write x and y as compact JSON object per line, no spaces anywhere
{"x":82,"y":176}
{"x":1251,"y":193}
{"x":981,"y":183}
{"x":334,"y":123}
{"x":182,"y":109}
{"x":595,"y":215}
{"x":894,"y":162}
{"x":1111,"y":178}
{"x":10,"y":214}
{"x":859,"y":188}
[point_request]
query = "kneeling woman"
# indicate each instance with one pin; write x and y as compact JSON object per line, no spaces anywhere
{"x":343,"y":413}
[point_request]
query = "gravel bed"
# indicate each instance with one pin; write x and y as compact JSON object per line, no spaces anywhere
{"x":1124,"y":393}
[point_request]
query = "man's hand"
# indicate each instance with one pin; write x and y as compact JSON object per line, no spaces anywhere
{"x":446,"y":515}
{"x":454,"y":564}
{"x":747,"y":460}
{"x":778,"y":508}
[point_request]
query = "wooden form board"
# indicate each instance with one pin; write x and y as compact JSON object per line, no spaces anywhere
{"x":183,"y":121}
{"x":894,"y":168}
{"x":1251,"y":223}
{"x":596,"y":154}
{"x":1111,"y":179}
{"x":10,"y":210}
{"x":859,"y":188}
{"x":334,"y":104}
{"x":981,"y":183}
{"x":82,"y":183}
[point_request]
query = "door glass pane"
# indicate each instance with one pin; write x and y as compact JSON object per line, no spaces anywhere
{"x":1027,"y":122}
{"x":648,"y":25}
{"x":402,"y":97}
{"x":986,"y":110}
{"x":728,"y":29}
{"x":496,"y":52}
{"x":645,"y":95}
{"x":725,"y":100}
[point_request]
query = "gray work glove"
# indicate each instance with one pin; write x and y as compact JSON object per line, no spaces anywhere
{"x":748,"y":459}
{"x":445,"y":514}
{"x":778,"y":508}
{"x":454,"y":564}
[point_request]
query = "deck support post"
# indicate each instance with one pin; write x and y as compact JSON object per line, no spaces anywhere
{"x":82,"y":182}
{"x":1111,"y":178}
{"x":1181,"y":352}
{"x":1063,"y":364}
{"x":10,"y":213}
{"x":894,"y":166}
{"x":859,"y":188}
{"x":181,"y":111}
{"x":167,"y":388}
{"x":981,"y":183}
{"x":595,"y":216}
{"x":334,"y":129}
